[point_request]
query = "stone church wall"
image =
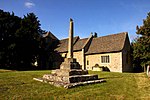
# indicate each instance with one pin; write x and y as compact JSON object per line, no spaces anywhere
{"x":114,"y":65}
{"x":78,"y":56}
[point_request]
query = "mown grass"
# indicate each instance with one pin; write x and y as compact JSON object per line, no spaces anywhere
{"x":19,"y":85}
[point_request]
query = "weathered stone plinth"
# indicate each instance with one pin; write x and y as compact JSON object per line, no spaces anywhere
{"x":70,"y":63}
{"x":68,"y":72}
{"x":69,"y":75}
{"x":70,"y":79}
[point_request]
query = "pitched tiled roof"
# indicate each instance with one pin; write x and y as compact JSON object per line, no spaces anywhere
{"x":63,"y":44}
{"x":79,"y":44}
{"x":110,"y":43}
{"x":104,"y":44}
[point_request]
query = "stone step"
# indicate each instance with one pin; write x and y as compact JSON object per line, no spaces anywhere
{"x":69,"y":85}
{"x":70,"y":79}
{"x":82,"y":78}
{"x":70,"y":63}
{"x":67,"y":72}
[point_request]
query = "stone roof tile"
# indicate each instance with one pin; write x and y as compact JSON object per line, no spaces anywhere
{"x":63,"y":44}
{"x":110,"y":43}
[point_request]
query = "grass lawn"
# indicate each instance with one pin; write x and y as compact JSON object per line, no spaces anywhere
{"x":18,"y":85}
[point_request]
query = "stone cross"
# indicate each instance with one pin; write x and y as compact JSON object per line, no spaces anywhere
{"x":70,"y":73}
{"x":70,"y":42}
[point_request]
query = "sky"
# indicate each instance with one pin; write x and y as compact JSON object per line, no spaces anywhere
{"x":104,"y":17}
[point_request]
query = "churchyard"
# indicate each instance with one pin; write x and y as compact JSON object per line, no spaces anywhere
{"x":19,"y":85}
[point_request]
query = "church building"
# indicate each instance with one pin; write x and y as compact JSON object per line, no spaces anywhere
{"x":105,"y":53}
{"x":111,"y":52}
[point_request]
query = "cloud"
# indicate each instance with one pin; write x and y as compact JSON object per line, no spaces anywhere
{"x":29,"y":4}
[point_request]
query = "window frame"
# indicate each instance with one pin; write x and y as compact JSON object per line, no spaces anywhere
{"x":105,"y":59}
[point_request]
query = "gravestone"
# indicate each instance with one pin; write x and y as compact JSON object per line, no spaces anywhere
{"x":70,"y":73}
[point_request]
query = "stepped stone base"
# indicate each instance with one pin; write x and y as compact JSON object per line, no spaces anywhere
{"x":69,"y":75}
{"x":70,"y":79}
{"x":68,"y":85}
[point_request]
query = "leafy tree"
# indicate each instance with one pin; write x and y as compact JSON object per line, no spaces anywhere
{"x":22,"y":43}
{"x":19,"y":40}
{"x":28,"y":40}
{"x":141,"y":45}
{"x":9,"y":23}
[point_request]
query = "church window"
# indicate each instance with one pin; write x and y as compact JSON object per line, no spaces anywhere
{"x":105,"y":59}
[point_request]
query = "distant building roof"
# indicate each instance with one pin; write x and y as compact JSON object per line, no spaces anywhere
{"x":49,"y":34}
{"x":79,"y":44}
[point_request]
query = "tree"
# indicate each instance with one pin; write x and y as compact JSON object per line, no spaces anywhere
{"x":19,"y":40}
{"x":28,"y":40}
{"x":141,"y":45}
{"x":22,"y":43}
{"x":9,"y":23}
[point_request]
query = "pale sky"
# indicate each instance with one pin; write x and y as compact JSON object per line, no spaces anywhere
{"x":102,"y":16}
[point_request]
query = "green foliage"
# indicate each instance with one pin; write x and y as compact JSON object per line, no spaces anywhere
{"x":9,"y":23}
{"x":19,"y":40}
{"x":141,"y":45}
{"x":118,"y":86}
{"x":27,"y":40}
